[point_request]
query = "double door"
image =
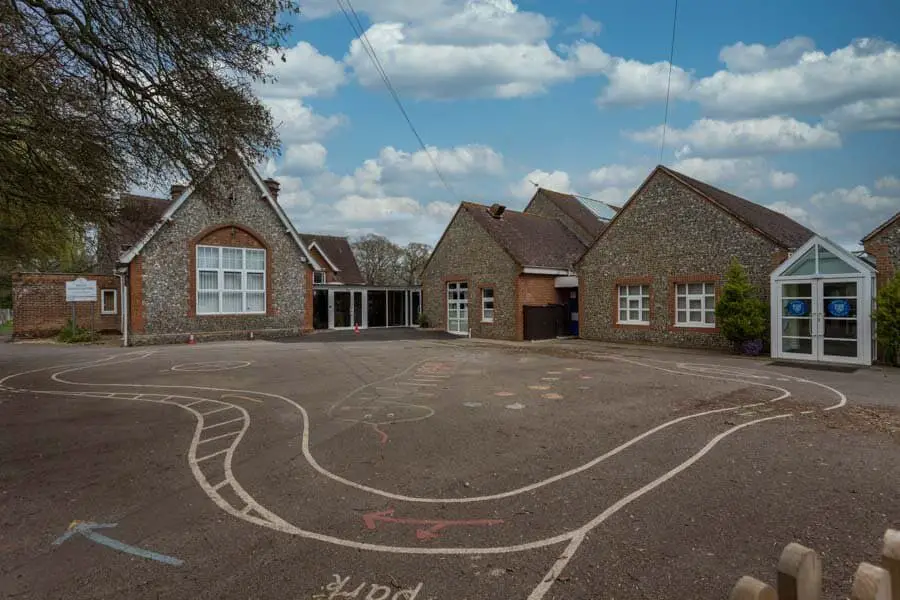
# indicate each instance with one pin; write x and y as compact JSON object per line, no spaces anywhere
{"x":820,"y":320}
{"x":346,"y":309}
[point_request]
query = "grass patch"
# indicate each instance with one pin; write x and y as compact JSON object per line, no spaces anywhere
{"x":72,"y":334}
{"x":6,"y":328}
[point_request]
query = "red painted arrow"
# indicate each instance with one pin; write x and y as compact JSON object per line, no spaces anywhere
{"x":433,"y":525}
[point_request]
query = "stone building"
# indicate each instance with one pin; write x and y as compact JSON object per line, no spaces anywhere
{"x":493,"y":266}
{"x":884,"y":245}
{"x":222,"y":261}
{"x":655,"y":272}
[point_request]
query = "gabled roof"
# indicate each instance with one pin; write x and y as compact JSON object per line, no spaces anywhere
{"x":780,"y":228}
{"x":531,"y":241}
{"x":337,"y":253}
{"x":882,"y":227}
{"x":570,"y":205}
{"x":173,"y":207}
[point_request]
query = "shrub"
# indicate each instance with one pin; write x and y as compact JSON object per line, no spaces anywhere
{"x":887,"y":320}
{"x":72,"y":334}
{"x":424,"y":322}
{"x":740,"y":313}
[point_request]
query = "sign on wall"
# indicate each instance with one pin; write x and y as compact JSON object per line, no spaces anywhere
{"x":839,"y":308}
{"x":81,"y":290}
{"x":797,"y":308}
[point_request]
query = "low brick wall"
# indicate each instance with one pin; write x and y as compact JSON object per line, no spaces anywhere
{"x":212,"y":336}
{"x":41,"y":310}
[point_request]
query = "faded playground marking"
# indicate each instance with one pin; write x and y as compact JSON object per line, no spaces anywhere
{"x":538,"y":387}
{"x":335,"y":589}
{"x":504,"y":394}
{"x":552,"y":396}
{"x":256,"y":514}
{"x":515,"y":406}
{"x":473,"y":404}
{"x":211,"y":366}
{"x":427,"y":529}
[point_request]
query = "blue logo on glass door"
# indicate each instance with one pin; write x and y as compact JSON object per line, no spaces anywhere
{"x":796,"y":308}
{"x":839,"y":308}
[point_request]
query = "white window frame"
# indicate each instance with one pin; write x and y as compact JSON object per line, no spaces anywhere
{"x":623,"y":292}
{"x":115,"y":302}
{"x":221,"y":270}
{"x":484,"y":309}
{"x":316,"y":275}
{"x":707,"y":291}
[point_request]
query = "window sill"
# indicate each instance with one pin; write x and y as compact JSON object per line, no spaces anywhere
{"x":633,"y":323}
{"x":108,"y":314}
{"x":240,"y":314}
{"x":487,"y":321}
{"x":694,"y":326}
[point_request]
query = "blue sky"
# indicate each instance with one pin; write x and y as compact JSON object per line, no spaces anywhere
{"x":792,"y":105}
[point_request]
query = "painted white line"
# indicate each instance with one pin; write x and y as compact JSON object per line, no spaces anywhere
{"x":197,"y":402}
{"x":208,"y":427}
{"x":220,"y":485}
{"x":213,"y":455}
{"x":541,"y":590}
{"x":241,"y":398}
{"x":219,"y":437}
{"x":218,"y":410}
{"x":417,"y":384}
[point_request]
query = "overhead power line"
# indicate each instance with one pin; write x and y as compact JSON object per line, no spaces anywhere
{"x":662,"y":144}
{"x":357,"y":27}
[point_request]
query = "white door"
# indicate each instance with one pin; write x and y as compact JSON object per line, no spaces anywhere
{"x":458,"y":307}
{"x":819,"y":320}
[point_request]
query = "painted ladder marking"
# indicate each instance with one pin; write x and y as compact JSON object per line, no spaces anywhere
{"x":219,"y":437}
{"x":223,"y":423}
{"x":197,"y":402}
{"x":220,"y":485}
{"x":212,"y":412}
{"x":213,"y":455}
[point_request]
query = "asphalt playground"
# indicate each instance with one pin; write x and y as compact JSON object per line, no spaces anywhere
{"x":413,"y":467}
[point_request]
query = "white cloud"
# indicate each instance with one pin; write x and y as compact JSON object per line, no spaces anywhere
{"x":297,"y":123}
{"x":745,"y":173}
{"x":750,"y":58}
{"x":293,"y":194}
{"x":867,"y":69}
{"x":304,"y":158}
{"x":585,"y":26}
{"x":634,"y":82}
{"x":304,"y":72}
{"x":617,"y":176}
{"x":558,"y":181}
{"x":360,"y":208}
{"x":878,"y":114}
{"x":708,"y":137}
{"x":793,"y":211}
{"x":429,"y":70}
{"x":888,"y":183}
{"x":461,"y":160}
{"x":858,"y":197}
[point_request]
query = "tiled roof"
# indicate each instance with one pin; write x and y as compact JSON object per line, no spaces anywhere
{"x":578,"y":212}
{"x":882,"y":227}
{"x":338,"y":251}
{"x":532,"y":241}
{"x":780,"y":228}
{"x":136,"y":215}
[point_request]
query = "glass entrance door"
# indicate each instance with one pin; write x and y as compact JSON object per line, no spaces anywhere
{"x":838,"y":328}
{"x":819,"y":320}
{"x":342,"y":310}
{"x":458,"y":307}
{"x":797,"y":301}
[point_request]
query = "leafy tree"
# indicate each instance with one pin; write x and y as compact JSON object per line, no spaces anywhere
{"x":740,"y":313}
{"x":97,"y":97}
{"x":887,"y":319}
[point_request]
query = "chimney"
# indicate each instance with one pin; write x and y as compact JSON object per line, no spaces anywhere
{"x":496,"y":210}
{"x":176,"y":190}
{"x":273,"y":186}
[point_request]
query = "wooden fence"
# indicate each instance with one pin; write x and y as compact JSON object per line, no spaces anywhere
{"x":800,"y":576}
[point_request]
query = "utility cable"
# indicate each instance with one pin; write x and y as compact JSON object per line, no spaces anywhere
{"x":359,"y":31}
{"x":662,"y":144}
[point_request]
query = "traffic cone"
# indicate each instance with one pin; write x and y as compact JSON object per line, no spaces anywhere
{"x":191,"y":339}
{"x":356,"y":329}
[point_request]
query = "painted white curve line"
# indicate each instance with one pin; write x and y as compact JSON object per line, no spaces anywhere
{"x":579,"y":534}
{"x":305,"y":436}
{"x":274,"y":522}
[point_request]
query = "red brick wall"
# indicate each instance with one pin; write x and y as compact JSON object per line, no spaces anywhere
{"x":308,"y":310}
{"x":330,"y":276}
{"x":40,"y":307}
{"x":136,"y":295}
{"x":533,"y":290}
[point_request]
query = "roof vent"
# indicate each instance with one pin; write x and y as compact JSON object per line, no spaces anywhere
{"x":496,"y":210}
